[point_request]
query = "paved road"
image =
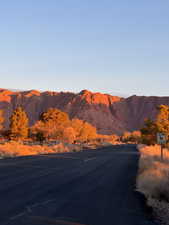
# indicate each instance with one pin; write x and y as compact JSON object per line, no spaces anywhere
{"x":93,"y":187}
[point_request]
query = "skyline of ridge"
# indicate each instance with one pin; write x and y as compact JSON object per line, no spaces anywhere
{"x":122,"y":95}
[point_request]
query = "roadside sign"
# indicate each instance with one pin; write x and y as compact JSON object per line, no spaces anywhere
{"x":161,"y":138}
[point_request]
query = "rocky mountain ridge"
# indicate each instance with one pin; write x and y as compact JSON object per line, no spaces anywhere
{"x":109,"y":114}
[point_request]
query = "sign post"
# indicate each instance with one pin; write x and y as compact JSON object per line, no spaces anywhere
{"x":161,"y":140}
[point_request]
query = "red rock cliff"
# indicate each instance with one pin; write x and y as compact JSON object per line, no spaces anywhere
{"x":110,"y":114}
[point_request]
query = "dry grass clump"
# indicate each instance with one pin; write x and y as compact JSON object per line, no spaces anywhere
{"x":154,"y":182}
{"x":161,"y":210}
{"x":153,"y":151}
{"x":153,"y":179}
{"x":13,"y":148}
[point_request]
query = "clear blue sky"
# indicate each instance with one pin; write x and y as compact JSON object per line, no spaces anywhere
{"x":108,"y":46}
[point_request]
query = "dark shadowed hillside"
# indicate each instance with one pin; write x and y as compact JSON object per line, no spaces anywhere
{"x":110,"y":114}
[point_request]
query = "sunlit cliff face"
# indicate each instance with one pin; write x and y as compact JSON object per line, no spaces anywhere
{"x":98,"y":98}
{"x":89,"y":97}
{"x":109,"y":114}
{"x":6,"y":95}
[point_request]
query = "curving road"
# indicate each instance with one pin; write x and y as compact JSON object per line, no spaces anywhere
{"x":93,"y":187}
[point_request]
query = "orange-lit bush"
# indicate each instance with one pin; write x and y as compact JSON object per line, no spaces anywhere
{"x":56,"y":125}
{"x":69,"y":135}
{"x":108,"y":139}
{"x":134,"y":137}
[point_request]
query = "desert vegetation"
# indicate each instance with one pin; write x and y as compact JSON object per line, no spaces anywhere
{"x":153,"y":176}
{"x":153,"y":180}
{"x":53,"y":132}
{"x":56,"y":125}
{"x":52,"y":125}
{"x":15,"y":148}
{"x":131,"y":137}
{"x":159,"y":125}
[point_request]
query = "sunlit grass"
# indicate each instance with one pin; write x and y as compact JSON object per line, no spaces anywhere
{"x":12,"y":149}
{"x":153,"y":179}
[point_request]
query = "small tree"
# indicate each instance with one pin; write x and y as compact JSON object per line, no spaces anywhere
{"x":55,"y":124}
{"x":19,"y":124}
{"x":162,"y":120}
{"x":149,"y":132}
{"x":161,"y":124}
{"x":51,"y":124}
{"x":55,"y":116}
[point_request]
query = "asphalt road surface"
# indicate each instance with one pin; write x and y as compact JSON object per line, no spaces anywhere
{"x":93,"y":187}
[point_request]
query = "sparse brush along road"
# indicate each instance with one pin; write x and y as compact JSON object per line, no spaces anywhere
{"x":95,"y":187}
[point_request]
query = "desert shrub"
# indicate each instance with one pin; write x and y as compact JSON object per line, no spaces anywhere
{"x":153,"y":182}
{"x":55,"y":124}
{"x":88,"y":132}
{"x":161,"y":210}
{"x":83,"y":130}
{"x":50,"y":126}
{"x":109,"y":139}
{"x":134,"y":137}
{"x":13,"y":148}
{"x":55,"y":116}
{"x":153,"y":152}
{"x":69,"y":135}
